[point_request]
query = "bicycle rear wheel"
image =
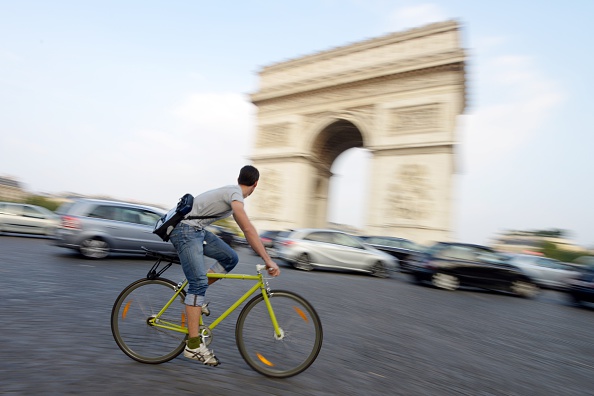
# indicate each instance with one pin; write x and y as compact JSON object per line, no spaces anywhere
{"x":296,"y":348}
{"x":131,"y":328}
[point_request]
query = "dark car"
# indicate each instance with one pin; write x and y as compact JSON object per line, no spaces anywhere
{"x":581,"y":288}
{"x":403,"y":249}
{"x":223,"y":233}
{"x":450,"y":265}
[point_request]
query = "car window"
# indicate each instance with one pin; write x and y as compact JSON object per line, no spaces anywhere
{"x":319,"y":237}
{"x":106,"y":212}
{"x":148,"y":217}
{"x":457,"y":253}
{"x":28,"y":211}
{"x":13,"y":209}
{"x":346,"y":240}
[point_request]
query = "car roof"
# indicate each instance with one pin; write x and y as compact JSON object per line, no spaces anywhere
{"x":120,"y":203}
{"x":385,"y":237}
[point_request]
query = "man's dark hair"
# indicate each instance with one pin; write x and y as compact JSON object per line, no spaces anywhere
{"x":248,"y":176}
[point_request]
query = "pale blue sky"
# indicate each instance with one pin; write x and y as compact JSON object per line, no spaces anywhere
{"x":93,"y":94}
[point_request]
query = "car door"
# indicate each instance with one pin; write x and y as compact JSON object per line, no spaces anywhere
{"x":11,"y":215}
{"x":344,"y":251}
{"x":554,"y":273}
{"x":132,"y":230}
{"x":35,"y":221}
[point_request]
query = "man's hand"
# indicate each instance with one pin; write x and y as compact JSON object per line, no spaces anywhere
{"x":272,"y":268}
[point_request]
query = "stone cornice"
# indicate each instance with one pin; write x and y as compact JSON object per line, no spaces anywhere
{"x":355,"y":76}
{"x":388,"y":39}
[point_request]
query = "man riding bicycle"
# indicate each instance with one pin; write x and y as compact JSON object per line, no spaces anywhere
{"x":192,"y":242}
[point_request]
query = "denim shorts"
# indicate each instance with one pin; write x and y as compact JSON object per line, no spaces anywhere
{"x":192,"y":244}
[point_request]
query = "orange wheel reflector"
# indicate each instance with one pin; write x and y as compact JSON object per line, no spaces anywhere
{"x":183,"y":320}
{"x":264,"y":360}
{"x":301,"y":313}
{"x":126,"y":308}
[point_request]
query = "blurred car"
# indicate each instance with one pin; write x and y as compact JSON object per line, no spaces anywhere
{"x":27,"y":219}
{"x":581,"y":288}
{"x":451,"y":265}
{"x":545,"y":271}
{"x":97,"y":228}
{"x":223,"y":233}
{"x":270,"y":238}
{"x":403,"y":249}
{"x":307,"y":249}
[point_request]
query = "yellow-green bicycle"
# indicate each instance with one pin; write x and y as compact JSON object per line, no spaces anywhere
{"x":278,"y":333}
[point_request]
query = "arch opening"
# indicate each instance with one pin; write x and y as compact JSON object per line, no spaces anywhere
{"x":341,"y":184}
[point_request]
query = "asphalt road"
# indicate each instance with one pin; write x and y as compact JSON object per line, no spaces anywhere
{"x":381,"y":336}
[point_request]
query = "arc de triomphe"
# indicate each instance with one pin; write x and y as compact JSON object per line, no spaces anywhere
{"x":397,"y":96}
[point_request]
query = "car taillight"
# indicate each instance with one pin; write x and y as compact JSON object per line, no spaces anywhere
{"x":287,"y":243}
{"x":70,"y":222}
{"x":266,"y":240}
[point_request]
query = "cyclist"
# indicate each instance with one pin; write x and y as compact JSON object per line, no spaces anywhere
{"x":192,"y":242}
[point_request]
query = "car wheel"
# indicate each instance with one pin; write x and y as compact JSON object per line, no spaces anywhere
{"x":524,"y":288}
{"x":303,"y":263}
{"x":445,"y":281}
{"x":94,"y":248}
{"x":379,"y":269}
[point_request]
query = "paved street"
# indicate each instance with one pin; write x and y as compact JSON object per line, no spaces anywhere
{"x":381,"y":336}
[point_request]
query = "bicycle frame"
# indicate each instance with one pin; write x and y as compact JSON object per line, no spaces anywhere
{"x":261,"y":285}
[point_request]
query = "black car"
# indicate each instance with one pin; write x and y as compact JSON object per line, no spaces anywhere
{"x":223,"y":233}
{"x":450,"y":265}
{"x":581,"y":288}
{"x":403,"y":249}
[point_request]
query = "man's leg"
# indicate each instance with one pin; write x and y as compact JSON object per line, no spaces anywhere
{"x":218,"y":249}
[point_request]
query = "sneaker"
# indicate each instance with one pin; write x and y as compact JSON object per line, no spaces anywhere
{"x":205,"y":310}
{"x":202,"y":354}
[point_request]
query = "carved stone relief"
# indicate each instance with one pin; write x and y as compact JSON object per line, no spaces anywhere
{"x":275,"y":135}
{"x":409,"y":197}
{"x":270,"y":192}
{"x":423,"y":118}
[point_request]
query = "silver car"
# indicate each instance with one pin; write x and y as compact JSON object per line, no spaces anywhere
{"x":307,"y":249}
{"x":27,"y":219}
{"x":545,"y":271}
{"x":97,"y":228}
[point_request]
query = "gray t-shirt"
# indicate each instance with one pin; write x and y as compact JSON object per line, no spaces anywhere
{"x":215,"y":202}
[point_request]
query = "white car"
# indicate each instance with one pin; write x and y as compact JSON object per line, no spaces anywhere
{"x":545,"y":271}
{"x":307,"y":249}
{"x":27,"y":219}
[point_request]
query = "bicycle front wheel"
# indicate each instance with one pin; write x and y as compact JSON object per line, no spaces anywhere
{"x":131,"y":321}
{"x":279,"y":356}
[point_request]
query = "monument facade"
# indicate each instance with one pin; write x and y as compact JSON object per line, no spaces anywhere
{"x":397,"y":96}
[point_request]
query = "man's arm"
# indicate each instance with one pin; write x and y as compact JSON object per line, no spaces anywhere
{"x":252,"y":237}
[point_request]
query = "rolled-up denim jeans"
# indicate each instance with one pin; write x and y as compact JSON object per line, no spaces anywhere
{"x":192,"y":245}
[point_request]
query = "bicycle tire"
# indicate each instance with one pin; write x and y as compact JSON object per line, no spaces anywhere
{"x":135,"y":305}
{"x":295,"y":351}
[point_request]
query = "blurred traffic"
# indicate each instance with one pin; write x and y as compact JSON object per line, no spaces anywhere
{"x":98,"y":228}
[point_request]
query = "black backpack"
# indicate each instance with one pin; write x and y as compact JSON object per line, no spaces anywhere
{"x":167,"y":223}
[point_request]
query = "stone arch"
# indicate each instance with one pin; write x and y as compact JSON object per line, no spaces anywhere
{"x":397,"y":96}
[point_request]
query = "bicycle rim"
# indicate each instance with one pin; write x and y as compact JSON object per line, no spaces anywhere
{"x":130,"y":327}
{"x":288,"y":355}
